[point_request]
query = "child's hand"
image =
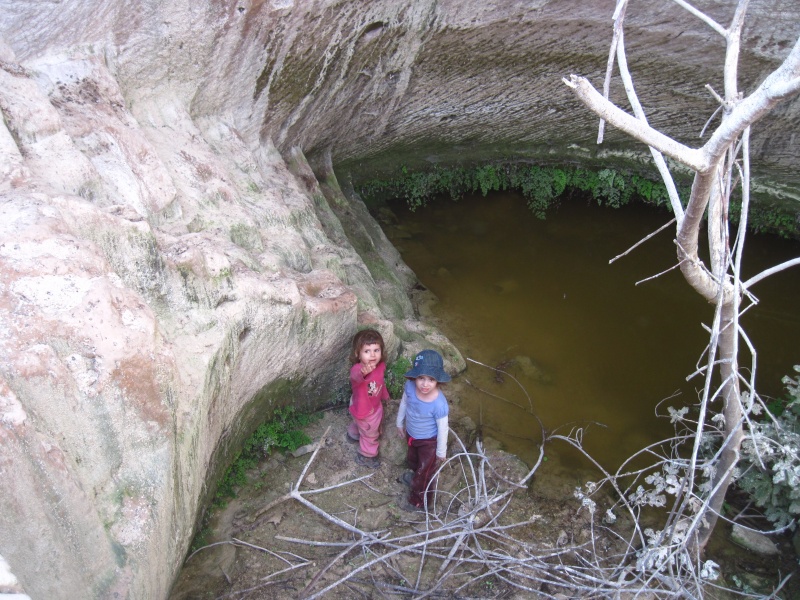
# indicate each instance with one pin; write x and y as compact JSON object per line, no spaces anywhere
{"x":401,"y":432}
{"x":367,"y":368}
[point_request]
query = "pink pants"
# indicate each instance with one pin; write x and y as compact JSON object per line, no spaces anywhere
{"x":367,"y":431}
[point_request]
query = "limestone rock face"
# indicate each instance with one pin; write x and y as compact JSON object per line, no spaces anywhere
{"x":165,"y":285}
{"x":181,"y":250}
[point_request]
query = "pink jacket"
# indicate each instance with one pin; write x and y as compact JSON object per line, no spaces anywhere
{"x":367,"y":391}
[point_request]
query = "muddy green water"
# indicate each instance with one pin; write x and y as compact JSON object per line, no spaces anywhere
{"x":593,"y":349}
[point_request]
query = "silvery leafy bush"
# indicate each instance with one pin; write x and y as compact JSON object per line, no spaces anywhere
{"x":769,"y":469}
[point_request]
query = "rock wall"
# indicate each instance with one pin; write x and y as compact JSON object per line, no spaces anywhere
{"x":177,"y":254}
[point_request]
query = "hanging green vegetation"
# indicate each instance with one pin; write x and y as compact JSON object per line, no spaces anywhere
{"x":544,"y":186}
{"x":780,"y":221}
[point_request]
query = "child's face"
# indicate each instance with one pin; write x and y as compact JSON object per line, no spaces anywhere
{"x":370,"y":354}
{"x":425,"y":385}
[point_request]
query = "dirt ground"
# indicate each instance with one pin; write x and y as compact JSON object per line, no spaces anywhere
{"x":372,"y":504}
{"x":271,"y":546}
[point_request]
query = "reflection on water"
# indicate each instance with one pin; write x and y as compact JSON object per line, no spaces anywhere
{"x":590,"y":346}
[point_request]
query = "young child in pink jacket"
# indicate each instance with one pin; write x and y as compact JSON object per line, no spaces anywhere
{"x":369,"y":390}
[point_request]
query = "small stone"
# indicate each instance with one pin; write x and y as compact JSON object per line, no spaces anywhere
{"x":307,"y":449}
{"x":753,"y":541}
{"x":562,"y":538}
{"x":275,"y":519}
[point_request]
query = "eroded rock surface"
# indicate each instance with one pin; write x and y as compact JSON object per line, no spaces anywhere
{"x":177,"y":254}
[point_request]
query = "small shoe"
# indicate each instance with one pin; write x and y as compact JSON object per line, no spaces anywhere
{"x":405,"y":504}
{"x":406,"y":478}
{"x":351,"y":439}
{"x":373,"y":462}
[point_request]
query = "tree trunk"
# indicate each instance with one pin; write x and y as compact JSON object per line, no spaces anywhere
{"x":714,"y":166}
{"x":733,"y":428}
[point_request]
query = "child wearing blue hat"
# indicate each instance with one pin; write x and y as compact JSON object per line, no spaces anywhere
{"x":423,"y":420}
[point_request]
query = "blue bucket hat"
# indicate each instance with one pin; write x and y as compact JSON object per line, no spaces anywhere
{"x":430,"y":363}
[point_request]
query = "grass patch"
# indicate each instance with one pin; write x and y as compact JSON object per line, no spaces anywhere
{"x":283,"y":432}
{"x":395,"y":376}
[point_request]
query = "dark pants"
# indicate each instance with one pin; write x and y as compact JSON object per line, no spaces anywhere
{"x":421,"y":457}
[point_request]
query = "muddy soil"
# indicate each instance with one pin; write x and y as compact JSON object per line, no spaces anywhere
{"x":268,"y":548}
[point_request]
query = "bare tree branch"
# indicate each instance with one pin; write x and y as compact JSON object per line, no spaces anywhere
{"x":642,"y":241}
{"x":703,"y":17}
{"x":619,"y":17}
{"x":692,"y":158}
{"x":699,"y":489}
{"x":779,"y":85}
{"x":771,"y":271}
